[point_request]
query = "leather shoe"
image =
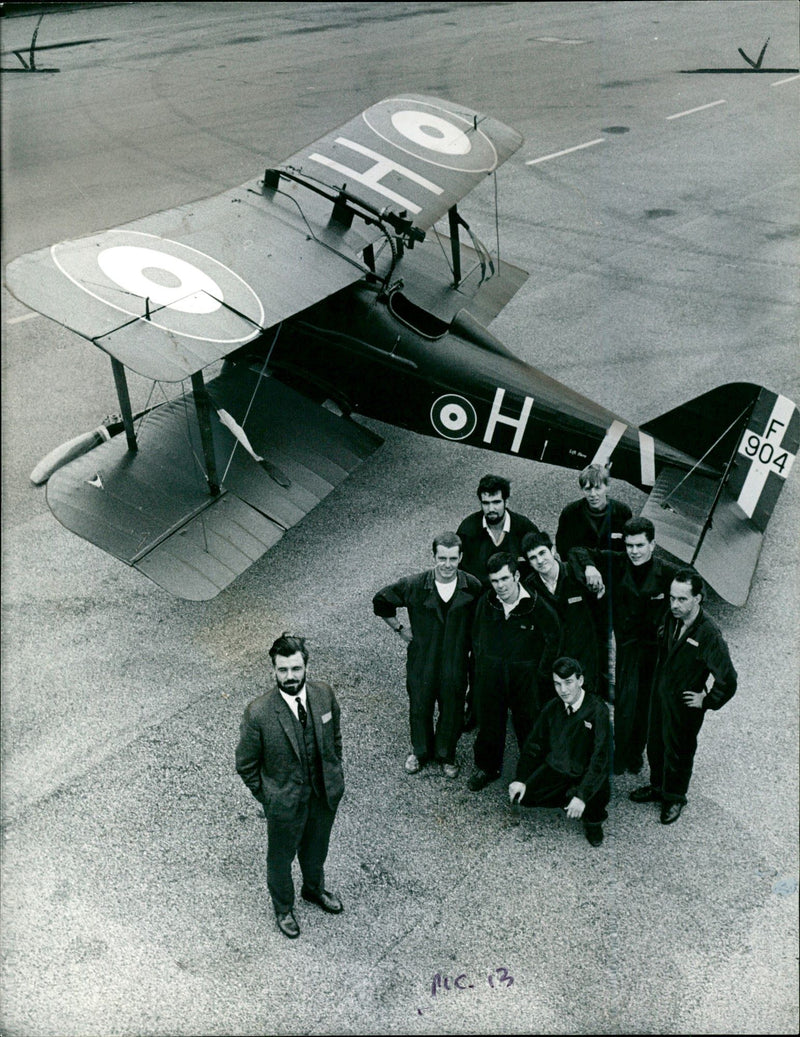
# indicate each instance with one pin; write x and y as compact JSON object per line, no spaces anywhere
{"x":645,"y":794}
{"x":413,"y":764}
{"x":450,"y":770}
{"x":288,"y":925}
{"x":480,"y":779}
{"x":670,"y":812}
{"x":327,"y":901}
{"x":593,"y":832}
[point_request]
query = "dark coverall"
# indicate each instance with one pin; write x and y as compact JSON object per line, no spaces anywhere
{"x":478,"y":546}
{"x":579,"y":526}
{"x":569,"y":755}
{"x":638,"y":610}
{"x":436,"y":663}
{"x":684,"y":664}
{"x":514,"y":659}
{"x":572,"y":604}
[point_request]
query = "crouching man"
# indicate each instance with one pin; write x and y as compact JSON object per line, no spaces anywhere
{"x":566,"y":759}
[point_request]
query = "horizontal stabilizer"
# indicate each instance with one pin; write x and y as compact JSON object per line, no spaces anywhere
{"x":726,"y":553}
{"x":152,"y":507}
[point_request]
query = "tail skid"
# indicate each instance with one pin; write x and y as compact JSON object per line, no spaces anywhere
{"x":717,"y":525}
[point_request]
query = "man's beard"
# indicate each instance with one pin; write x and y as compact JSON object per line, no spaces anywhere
{"x":291,"y":687}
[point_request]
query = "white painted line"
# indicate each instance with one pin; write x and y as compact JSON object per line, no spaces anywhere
{"x":647,"y":453}
{"x":691,"y":111}
{"x":19,"y":320}
{"x":615,"y":432}
{"x":780,"y":82}
{"x":566,"y":151}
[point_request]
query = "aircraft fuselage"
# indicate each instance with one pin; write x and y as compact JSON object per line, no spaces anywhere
{"x":388,"y":359}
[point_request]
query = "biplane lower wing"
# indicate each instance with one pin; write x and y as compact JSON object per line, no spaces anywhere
{"x":152,"y":507}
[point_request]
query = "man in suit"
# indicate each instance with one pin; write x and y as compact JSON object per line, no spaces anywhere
{"x":290,"y":757}
{"x":566,"y":759}
{"x":440,"y":603}
{"x":694,"y":673}
{"x":638,"y":584}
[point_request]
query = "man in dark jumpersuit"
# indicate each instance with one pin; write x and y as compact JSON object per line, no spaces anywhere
{"x":290,"y":757}
{"x":440,"y":603}
{"x":569,"y":599}
{"x":493,"y":528}
{"x":638,"y":584}
{"x":515,"y":638}
{"x":595,"y":521}
{"x":694,"y":673}
{"x":566,"y":759}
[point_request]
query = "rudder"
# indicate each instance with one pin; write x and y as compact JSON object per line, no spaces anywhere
{"x":751,"y":435}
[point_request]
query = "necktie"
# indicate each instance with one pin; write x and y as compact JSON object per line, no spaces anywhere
{"x":301,"y":712}
{"x":570,"y":711}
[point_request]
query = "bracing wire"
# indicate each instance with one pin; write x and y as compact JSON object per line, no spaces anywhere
{"x":252,"y":398}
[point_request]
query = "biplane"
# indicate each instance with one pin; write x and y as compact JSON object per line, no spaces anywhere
{"x":346,"y":282}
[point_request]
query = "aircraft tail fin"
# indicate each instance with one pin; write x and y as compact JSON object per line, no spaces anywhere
{"x":717,"y":524}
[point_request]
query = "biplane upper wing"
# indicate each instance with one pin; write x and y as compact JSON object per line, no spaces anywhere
{"x":169,"y":294}
{"x":414,"y":154}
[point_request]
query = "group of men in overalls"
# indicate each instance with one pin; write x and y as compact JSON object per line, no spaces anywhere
{"x":507,"y":622}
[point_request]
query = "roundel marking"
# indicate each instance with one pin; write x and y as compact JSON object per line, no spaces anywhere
{"x":182,"y":288}
{"x":432,"y":133}
{"x":128,"y":266}
{"x":453,"y":417}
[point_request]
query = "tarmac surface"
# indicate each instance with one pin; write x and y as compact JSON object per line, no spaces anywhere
{"x":664,"y":261}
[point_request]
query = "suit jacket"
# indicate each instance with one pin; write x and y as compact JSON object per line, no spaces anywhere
{"x":269,"y":755}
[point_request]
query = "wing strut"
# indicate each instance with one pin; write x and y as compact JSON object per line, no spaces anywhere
{"x":455,"y":244}
{"x":202,"y":402}
{"x":121,"y":382}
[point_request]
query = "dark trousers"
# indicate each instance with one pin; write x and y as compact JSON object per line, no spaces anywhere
{"x":601,"y":617}
{"x":634,"y":679}
{"x":493,"y":704}
{"x":550,"y":788}
{"x":672,"y":743}
{"x":442,"y":742}
{"x":306,"y":836}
